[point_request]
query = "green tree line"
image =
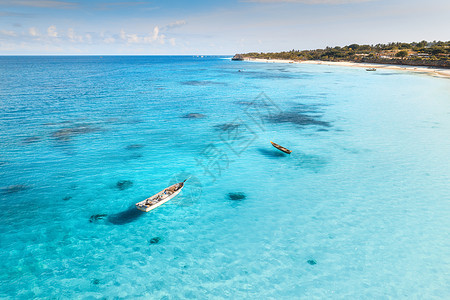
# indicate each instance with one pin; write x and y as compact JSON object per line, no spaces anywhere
{"x":423,"y":50}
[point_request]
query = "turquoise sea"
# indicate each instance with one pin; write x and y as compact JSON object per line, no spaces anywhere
{"x":359,"y":210}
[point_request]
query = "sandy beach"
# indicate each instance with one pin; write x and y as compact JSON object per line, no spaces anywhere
{"x":438,"y":72}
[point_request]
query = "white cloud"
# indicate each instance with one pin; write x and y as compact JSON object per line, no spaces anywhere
{"x":175,"y":24}
{"x":33,"y":31}
{"x":71,"y":34}
{"x":51,"y":31}
{"x":73,"y":37}
{"x":8,"y":33}
{"x":133,"y":38}
{"x":122,"y":34}
{"x":157,"y":36}
{"x":88,"y":37}
{"x":155,"y":33}
{"x":55,"y":39}
{"x":109,"y":40}
{"x":162,"y":39}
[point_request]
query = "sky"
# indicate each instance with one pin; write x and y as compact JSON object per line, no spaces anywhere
{"x":212,"y":27}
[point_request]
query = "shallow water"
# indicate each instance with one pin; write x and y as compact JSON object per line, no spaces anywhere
{"x":358,"y":210}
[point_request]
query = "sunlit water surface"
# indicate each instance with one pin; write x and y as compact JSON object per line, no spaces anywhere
{"x":359,"y":210}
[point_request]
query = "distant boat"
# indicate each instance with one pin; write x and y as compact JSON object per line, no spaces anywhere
{"x":161,"y":197}
{"x":281,"y":148}
{"x":371,"y":69}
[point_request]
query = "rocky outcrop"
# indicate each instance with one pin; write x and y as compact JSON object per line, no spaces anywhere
{"x":238,"y":57}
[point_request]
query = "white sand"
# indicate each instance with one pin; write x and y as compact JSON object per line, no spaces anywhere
{"x":434,"y":71}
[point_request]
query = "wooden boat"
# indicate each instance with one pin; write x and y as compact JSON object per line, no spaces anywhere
{"x":281,"y":148}
{"x":161,"y":197}
{"x":371,"y":69}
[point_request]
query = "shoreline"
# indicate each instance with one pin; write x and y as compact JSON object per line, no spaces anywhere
{"x":433,"y":71}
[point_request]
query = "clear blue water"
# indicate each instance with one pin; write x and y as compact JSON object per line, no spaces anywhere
{"x":359,"y":210}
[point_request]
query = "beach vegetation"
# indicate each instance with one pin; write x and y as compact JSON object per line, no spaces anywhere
{"x":423,"y":52}
{"x":402,"y":54}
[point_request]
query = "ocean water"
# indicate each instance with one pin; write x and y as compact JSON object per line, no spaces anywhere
{"x":359,"y":210}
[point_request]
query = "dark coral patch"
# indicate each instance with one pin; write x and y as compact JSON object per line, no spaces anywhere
{"x":124,"y":184}
{"x":134,"y":146}
{"x":193,"y":116}
{"x":14,"y":188}
{"x":155,"y":240}
{"x":97,"y":217}
{"x":312,"y":262}
{"x":227,"y":126}
{"x":31,"y":140}
{"x":302,"y":115}
{"x":135,"y":156}
{"x":66,"y":198}
{"x":297,"y":118}
{"x":239,"y":196}
{"x":66,"y":134}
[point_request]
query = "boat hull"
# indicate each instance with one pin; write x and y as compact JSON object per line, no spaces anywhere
{"x":145,"y":208}
{"x":281,"y":148}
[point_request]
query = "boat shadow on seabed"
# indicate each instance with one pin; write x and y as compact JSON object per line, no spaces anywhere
{"x":127,"y":216}
{"x":272,"y":153}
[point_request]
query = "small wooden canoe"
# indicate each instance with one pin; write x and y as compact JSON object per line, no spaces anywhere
{"x":161,"y":197}
{"x":371,"y":69}
{"x":281,"y":148}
